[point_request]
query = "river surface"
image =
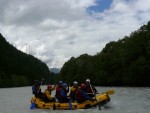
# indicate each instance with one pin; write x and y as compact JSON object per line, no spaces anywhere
{"x":125,"y":100}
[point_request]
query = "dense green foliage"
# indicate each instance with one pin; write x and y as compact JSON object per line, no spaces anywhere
{"x":125,"y":62}
{"x":18,"y":68}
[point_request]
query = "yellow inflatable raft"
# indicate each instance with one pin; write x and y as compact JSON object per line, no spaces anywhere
{"x":100,"y":99}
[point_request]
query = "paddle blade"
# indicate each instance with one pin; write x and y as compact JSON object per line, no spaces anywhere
{"x":110,"y":92}
{"x":33,"y":105}
{"x":54,"y":107}
{"x":70,"y":105}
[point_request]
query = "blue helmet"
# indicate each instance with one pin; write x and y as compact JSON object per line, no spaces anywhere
{"x":64,"y":85}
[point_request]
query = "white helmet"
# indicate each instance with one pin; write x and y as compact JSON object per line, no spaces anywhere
{"x":88,"y":80}
{"x":75,"y":82}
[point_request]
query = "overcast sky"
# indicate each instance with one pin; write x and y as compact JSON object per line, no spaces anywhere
{"x":56,"y":30}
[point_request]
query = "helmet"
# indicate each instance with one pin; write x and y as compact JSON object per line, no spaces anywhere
{"x":49,"y":86}
{"x":88,"y":80}
{"x":75,"y":83}
{"x":60,"y":82}
{"x":83,"y":86}
{"x":36,"y":82}
{"x":64,"y":85}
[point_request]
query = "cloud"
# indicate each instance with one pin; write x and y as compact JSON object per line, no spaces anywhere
{"x":55,"y":30}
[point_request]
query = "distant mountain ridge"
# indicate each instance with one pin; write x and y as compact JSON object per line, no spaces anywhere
{"x":55,"y":70}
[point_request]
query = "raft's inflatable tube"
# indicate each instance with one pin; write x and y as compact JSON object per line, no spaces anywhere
{"x":101,"y":99}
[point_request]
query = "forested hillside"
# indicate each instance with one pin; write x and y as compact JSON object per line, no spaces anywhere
{"x":122,"y":63}
{"x":18,"y":68}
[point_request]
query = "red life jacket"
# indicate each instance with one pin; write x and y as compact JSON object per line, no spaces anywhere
{"x":58,"y":89}
{"x":78,"y":95}
{"x":88,"y":89}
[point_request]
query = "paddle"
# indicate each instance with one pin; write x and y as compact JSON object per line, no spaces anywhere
{"x":110,"y":92}
{"x":54,"y":107}
{"x":95,"y":97}
{"x":33,"y":105}
{"x":70,"y":105}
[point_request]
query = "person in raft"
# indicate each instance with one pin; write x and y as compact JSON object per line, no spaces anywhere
{"x":36,"y":89}
{"x":58,"y":89}
{"x":90,"y":89}
{"x":47,"y":94}
{"x":81,"y":94}
{"x":73,"y":90}
{"x":63,"y":94}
